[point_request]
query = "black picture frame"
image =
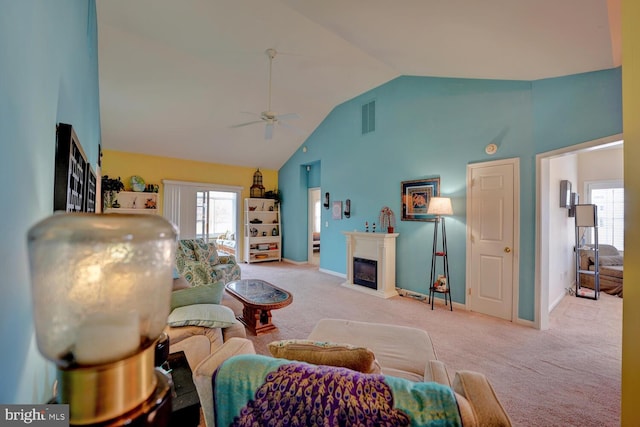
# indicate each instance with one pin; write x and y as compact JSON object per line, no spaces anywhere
{"x":91,"y":196}
{"x":415,"y":197}
{"x":70,"y":173}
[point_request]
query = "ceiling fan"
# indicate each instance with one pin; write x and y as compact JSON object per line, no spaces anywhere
{"x":269,"y":117}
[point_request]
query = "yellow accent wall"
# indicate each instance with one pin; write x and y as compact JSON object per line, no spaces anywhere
{"x":631,"y":125}
{"x":153,"y":169}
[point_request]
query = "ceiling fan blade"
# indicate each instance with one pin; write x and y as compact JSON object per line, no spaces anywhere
{"x":246,"y":124}
{"x":288,"y":116}
{"x":268,"y":131}
{"x":268,"y":116}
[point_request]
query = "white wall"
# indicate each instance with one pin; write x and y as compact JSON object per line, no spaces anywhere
{"x":561,"y":229}
{"x":599,"y":165}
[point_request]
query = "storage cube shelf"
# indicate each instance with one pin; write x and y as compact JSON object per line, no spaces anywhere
{"x":262,"y":241}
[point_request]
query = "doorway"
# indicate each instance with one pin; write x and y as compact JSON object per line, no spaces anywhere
{"x":314,"y":222}
{"x":545,"y":299}
{"x":493,"y":233}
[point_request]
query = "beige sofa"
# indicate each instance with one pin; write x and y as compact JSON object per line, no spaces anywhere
{"x":402,"y":352}
{"x":199,"y":342}
{"x":611,"y":269}
{"x":199,"y":265}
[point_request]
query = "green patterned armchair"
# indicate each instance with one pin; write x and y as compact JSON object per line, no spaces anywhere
{"x":199,"y":263}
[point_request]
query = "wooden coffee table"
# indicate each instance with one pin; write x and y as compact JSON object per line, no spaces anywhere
{"x":258,"y":298}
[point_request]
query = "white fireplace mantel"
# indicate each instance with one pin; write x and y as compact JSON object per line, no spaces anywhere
{"x":380,"y":247}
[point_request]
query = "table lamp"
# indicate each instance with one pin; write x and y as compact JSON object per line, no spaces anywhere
{"x":101,"y":288}
{"x":439,"y":206}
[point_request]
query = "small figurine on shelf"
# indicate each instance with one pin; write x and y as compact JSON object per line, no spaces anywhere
{"x":374,"y":227}
{"x":441,"y":283}
{"x":366,"y":226}
{"x":387,"y":219}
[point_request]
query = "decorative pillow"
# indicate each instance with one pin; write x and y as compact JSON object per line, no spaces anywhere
{"x":607,"y":259}
{"x":208,"y":315}
{"x":210,"y":293}
{"x":196,"y":272}
{"x":326,"y":353}
{"x":206,"y":251}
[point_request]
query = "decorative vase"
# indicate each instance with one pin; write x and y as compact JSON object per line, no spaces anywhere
{"x":389,"y":230}
{"x":109,"y":197}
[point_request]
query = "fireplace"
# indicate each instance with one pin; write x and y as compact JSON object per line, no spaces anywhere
{"x":371,"y":263}
{"x":365,"y":272}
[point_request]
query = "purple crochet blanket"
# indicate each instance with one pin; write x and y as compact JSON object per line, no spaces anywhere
{"x":303,"y":395}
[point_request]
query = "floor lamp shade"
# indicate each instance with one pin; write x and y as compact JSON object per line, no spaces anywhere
{"x":439,"y":206}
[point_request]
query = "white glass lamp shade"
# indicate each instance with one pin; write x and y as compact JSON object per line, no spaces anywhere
{"x":101,"y":285}
{"x":439,"y":206}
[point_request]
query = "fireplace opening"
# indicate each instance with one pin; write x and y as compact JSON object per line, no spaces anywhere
{"x":365,"y":272}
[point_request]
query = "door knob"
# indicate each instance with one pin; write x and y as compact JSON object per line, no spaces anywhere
{"x":507,"y":249}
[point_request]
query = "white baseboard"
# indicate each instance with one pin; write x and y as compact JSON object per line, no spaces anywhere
{"x":294,"y":262}
{"x":333,"y":273}
{"x":421,"y":296}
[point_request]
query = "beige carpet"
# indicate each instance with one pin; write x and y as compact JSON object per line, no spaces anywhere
{"x":568,"y":375}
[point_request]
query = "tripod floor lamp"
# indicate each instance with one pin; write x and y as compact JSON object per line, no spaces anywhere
{"x":440,"y":206}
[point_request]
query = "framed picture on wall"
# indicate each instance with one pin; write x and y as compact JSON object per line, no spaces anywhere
{"x":70,"y":174}
{"x":336,"y":211}
{"x":90,"y":186}
{"x":415,"y":197}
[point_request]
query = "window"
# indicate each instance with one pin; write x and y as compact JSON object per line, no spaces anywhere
{"x":201,"y":210}
{"x":214,"y":213}
{"x":608,"y":196}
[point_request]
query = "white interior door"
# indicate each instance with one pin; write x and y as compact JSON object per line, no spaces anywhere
{"x":493,"y":239}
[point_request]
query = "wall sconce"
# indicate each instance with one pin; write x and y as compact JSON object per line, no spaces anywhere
{"x":326,"y":200}
{"x":101,"y":286}
{"x":347,"y":208}
{"x":565,"y":193}
{"x":572,"y":207}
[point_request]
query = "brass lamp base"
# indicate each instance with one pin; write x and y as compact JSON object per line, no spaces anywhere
{"x":128,"y":392}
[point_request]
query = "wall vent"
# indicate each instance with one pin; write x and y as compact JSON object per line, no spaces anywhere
{"x":369,"y":117}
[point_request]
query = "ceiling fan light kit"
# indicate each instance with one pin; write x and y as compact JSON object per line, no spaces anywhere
{"x":268,"y":117}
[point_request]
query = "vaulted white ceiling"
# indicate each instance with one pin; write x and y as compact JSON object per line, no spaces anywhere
{"x":175,"y":75}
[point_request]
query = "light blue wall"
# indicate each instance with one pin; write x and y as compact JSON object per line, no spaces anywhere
{"x":435,"y":127}
{"x":48,"y":74}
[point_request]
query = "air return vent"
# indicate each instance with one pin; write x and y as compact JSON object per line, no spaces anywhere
{"x":369,"y":117}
